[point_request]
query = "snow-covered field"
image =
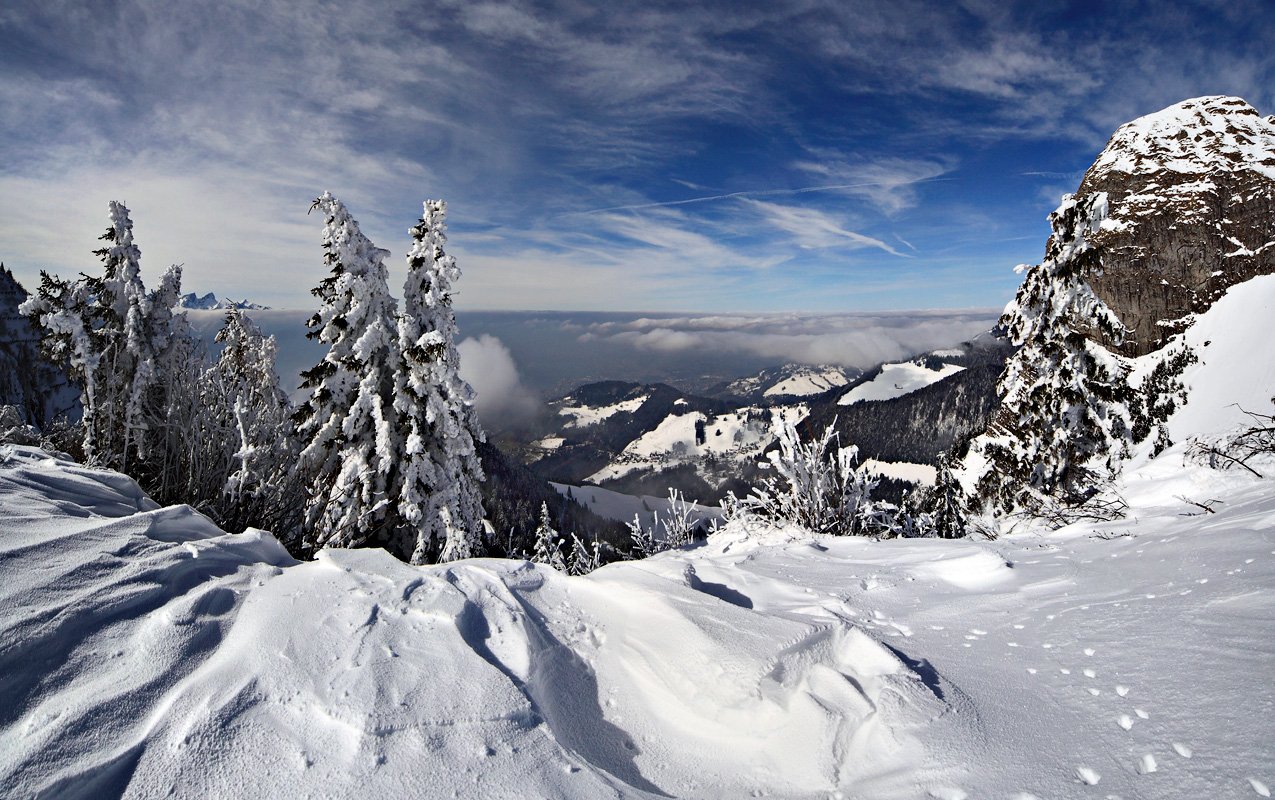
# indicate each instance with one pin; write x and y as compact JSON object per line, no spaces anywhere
{"x":622,"y":507}
{"x":739,"y":435}
{"x":896,"y":380}
{"x":144,"y":652}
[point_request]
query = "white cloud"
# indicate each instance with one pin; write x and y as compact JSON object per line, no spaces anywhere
{"x":855,"y":340}
{"x":811,"y":228}
{"x":502,"y":400}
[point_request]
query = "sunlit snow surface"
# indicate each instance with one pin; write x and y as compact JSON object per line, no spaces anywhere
{"x":143,"y":652}
{"x":896,"y":380}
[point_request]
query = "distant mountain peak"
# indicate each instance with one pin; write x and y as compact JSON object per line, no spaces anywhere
{"x":210,"y":302}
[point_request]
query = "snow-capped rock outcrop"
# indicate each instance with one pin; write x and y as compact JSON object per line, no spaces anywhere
{"x":1190,"y":212}
{"x":1174,"y":212}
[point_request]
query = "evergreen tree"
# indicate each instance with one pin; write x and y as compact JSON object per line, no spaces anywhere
{"x":110,"y":336}
{"x":261,"y":488}
{"x":438,"y":498}
{"x":947,"y":515}
{"x":548,"y":546}
{"x":347,"y":424}
{"x":1064,"y":423}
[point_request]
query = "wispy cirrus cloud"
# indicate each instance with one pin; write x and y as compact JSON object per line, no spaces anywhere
{"x":811,"y":228}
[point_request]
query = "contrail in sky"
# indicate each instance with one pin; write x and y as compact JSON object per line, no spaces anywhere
{"x":754,"y":193}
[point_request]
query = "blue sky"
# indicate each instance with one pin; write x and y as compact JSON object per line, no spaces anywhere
{"x":776,"y":156}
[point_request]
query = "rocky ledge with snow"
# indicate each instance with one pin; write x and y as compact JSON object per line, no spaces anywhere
{"x":1190,"y":211}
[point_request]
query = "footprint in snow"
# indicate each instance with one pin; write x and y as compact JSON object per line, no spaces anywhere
{"x":1141,"y":714}
{"x":1125,"y":721}
{"x":1146,"y":764}
{"x":1259,"y":787}
{"x":1122,"y":690}
{"x":1090,"y":674}
{"x":1089,"y":777}
{"x":1089,"y":651}
{"x":1182,"y":750}
{"x":1093,"y":691}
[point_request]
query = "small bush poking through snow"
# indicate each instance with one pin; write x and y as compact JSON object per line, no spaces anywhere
{"x":816,"y":487}
{"x":678,"y":527}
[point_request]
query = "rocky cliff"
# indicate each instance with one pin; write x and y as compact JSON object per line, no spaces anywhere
{"x":1190,"y":212}
{"x":38,"y":390}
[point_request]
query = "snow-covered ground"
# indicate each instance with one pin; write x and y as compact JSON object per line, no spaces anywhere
{"x":896,"y":380}
{"x":584,"y":416}
{"x":622,"y":507}
{"x":144,"y":652}
{"x":808,"y":381}
{"x":740,"y":435}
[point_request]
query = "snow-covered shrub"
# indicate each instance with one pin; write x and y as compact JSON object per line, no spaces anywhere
{"x":816,"y":486}
{"x":1247,"y":448}
{"x":13,"y":430}
{"x":583,"y":559}
{"x":678,"y":528}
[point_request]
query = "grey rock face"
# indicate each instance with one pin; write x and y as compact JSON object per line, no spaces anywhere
{"x":1191,"y":212}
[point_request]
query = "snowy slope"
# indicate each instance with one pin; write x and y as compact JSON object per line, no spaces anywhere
{"x":622,"y":507}
{"x":1236,"y":368}
{"x":582,"y":416}
{"x":739,"y":435}
{"x":141,"y":649}
{"x":805,"y":381}
{"x":896,"y":380}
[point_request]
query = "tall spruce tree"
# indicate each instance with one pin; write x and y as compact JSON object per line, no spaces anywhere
{"x":1064,"y":423}
{"x":347,"y":424}
{"x":438,"y":494}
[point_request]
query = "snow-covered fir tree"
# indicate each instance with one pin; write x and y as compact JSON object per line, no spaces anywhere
{"x":548,"y":544}
{"x":438,"y":494}
{"x":347,"y":424}
{"x":112,"y":337}
{"x":261,"y":488}
{"x":1064,"y":424}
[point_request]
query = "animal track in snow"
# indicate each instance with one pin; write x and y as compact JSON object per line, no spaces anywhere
{"x":1093,"y":691}
{"x":1146,"y":764}
{"x":1125,"y":721}
{"x":1122,"y":690}
{"x":1259,"y":787}
{"x":1090,"y":777}
{"x":1089,"y":651}
{"x":1182,"y":750}
{"x":1090,"y":673}
{"x":1141,"y":714}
